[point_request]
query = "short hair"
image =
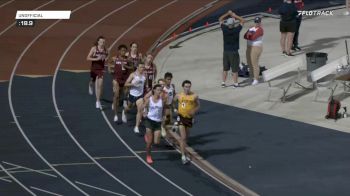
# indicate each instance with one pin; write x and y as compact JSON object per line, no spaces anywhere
{"x":133,"y":43}
{"x":161,"y":80}
{"x":186,"y":82}
{"x":122,"y":46}
{"x":168,"y":75}
{"x":154,"y":88}
{"x":140,"y":62}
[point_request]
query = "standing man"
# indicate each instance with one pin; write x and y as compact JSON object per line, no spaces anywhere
{"x":299,"y":4}
{"x":188,"y":105}
{"x":231,"y":45}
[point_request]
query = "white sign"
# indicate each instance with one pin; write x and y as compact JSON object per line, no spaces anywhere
{"x":25,"y":14}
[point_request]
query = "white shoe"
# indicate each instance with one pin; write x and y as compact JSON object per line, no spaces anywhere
{"x":223,"y":85}
{"x":115,"y":119}
{"x":124,"y":119}
{"x":184,"y":159}
{"x":91,"y":90}
{"x":98,"y":105}
{"x":255,"y":82}
{"x":235,"y":85}
{"x":163,"y":132}
{"x":136,"y":130}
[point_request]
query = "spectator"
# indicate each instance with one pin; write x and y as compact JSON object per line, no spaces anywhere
{"x":254,"y":39}
{"x":300,"y":6}
{"x":231,"y":46}
{"x":288,"y":13}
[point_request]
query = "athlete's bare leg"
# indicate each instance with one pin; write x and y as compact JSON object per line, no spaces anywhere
{"x":98,"y":90}
{"x":157,"y":137}
{"x":139,"y":104}
{"x":149,"y":140}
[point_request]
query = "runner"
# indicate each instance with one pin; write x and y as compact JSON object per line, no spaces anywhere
{"x":97,"y":55}
{"x":154,"y":114}
{"x":150,"y":73}
{"x":140,"y":106}
{"x":136,"y":82}
{"x":188,"y":105}
{"x":118,"y":67}
{"x":169,"y":89}
{"x":134,"y":57}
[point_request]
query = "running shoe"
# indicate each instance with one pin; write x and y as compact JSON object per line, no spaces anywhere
{"x":184,"y":159}
{"x":98,"y":105}
{"x":124,"y":119}
{"x":115,"y":119}
{"x":91,"y":90}
{"x":149,"y":159}
{"x":136,"y":130}
{"x":163,"y":132}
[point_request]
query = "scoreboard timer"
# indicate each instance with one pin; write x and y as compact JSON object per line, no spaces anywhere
{"x":25,"y":23}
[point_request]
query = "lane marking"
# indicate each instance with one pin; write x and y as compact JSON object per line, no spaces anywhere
{"x":45,"y":191}
{"x":6,"y":3}
{"x":33,"y":170}
{"x":16,"y":180}
{"x":100,"y":189}
{"x":11,"y":104}
{"x":55,"y":102}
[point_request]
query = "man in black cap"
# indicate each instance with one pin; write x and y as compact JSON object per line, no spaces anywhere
{"x":231,"y":45}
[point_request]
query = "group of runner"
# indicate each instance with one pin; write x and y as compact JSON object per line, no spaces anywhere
{"x":134,"y":82}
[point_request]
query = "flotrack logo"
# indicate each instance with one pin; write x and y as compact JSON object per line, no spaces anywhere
{"x":315,"y":13}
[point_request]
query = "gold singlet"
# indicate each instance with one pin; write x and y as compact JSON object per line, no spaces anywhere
{"x":186,"y":104}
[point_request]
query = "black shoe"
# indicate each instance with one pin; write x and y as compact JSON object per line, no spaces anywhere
{"x":296,"y":48}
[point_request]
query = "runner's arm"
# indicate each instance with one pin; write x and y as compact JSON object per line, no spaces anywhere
{"x":128,"y":81}
{"x":91,"y":54}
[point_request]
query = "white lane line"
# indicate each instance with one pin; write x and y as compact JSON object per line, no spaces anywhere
{"x":5,"y":180}
{"x":115,"y":157}
{"x":10,"y":169}
{"x":16,"y":180}
{"x":11,"y":104}
{"x":29,"y":169}
{"x":72,"y":164}
{"x":6,"y":3}
{"x":13,"y":24}
{"x":45,"y":191}
{"x":55,"y":102}
{"x":100,"y":189}
{"x":112,"y":128}
{"x":138,"y":22}
{"x":156,"y":151}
